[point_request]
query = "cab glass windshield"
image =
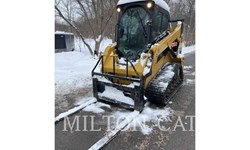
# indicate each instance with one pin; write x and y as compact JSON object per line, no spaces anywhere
{"x":133,"y":32}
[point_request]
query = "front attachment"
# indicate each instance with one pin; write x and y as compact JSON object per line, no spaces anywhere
{"x":127,"y":96}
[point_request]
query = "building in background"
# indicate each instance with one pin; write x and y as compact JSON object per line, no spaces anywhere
{"x":64,"y":42}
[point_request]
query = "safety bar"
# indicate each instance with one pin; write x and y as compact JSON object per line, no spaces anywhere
{"x":127,"y":60}
{"x":177,"y":20}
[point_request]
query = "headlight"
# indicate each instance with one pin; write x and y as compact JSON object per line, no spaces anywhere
{"x":118,"y":9}
{"x":149,"y":4}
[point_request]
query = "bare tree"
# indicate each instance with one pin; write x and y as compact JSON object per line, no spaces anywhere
{"x":184,"y":9}
{"x":69,"y":20}
{"x":96,"y":19}
{"x":98,"y":15}
{"x":93,"y":18}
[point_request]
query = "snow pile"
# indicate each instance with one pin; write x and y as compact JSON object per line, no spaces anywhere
{"x":153,"y":115}
{"x":160,"y":3}
{"x":73,"y":71}
{"x":117,"y":95}
{"x":123,"y":61}
{"x":96,"y":107}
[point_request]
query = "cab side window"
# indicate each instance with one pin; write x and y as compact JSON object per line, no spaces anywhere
{"x":164,"y":25}
{"x":160,"y":24}
{"x":157,"y":25}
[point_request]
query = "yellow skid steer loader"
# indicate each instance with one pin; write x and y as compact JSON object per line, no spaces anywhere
{"x":146,"y":62}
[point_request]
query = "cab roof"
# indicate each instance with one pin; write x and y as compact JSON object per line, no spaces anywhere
{"x":160,"y":3}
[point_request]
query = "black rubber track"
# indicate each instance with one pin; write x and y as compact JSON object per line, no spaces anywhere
{"x":157,"y":94}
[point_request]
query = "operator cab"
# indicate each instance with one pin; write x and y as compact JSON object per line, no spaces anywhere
{"x":139,"y":24}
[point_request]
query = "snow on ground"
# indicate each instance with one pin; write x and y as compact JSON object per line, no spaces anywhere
{"x":153,"y":115}
{"x":97,"y":107}
{"x":79,"y":46}
{"x":187,"y":70}
{"x":186,"y":50}
{"x":189,"y":81}
{"x":86,"y":102}
{"x":141,"y":122}
{"x":73,"y":69}
{"x":187,"y":67}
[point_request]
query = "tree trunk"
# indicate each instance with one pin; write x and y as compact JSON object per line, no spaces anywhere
{"x":97,"y":46}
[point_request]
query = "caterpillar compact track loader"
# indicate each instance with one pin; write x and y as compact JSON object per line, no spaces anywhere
{"x":145,"y":63}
